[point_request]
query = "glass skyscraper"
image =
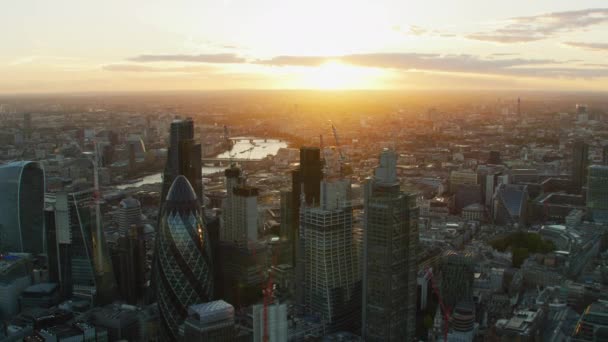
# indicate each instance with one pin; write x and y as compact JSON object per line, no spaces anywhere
{"x":184,"y":274}
{"x":22,"y":207}
{"x":183,"y":158}
{"x":74,"y":252}
{"x":389,"y":261}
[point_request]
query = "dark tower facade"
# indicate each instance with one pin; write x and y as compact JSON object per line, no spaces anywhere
{"x":580,"y":162}
{"x":184,"y":274}
{"x":390,"y":267}
{"x":183,"y":158}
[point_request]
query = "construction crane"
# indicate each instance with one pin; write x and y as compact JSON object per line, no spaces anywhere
{"x":444,"y":309}
{"x":335,"y":131}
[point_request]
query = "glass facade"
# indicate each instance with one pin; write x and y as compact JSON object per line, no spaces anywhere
{"x":22,"y":207}
{"x":184,"y":275}
{"x":597,"y":193}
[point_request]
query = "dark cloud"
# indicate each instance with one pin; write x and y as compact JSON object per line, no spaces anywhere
{"x":448,"y":63}
{"x":589,"y":46}
{"x":147,"y":68}
{"x":543,"y":26}
{"x":202,"y":58}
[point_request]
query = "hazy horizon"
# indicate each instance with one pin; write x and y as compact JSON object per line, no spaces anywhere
{"x":68,"y":46}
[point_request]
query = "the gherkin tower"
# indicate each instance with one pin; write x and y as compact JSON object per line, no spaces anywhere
{"x":184,"y":274}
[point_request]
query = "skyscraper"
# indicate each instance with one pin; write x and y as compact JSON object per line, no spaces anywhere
{"x":580,"y":161}
{"x":597,"y":193}
{"x":456,"y":278}
{"x":129,"y":214}
{"x":184,"y":274}
{"x":389,"y":261}
{"x":22,"y":207}
{"x":332,"y":280}
{"x":129,"y":261}
{"x":240,"y":209}
{"x":74,"y":253}
{"x":306,"y":178}
{"x":183,"y":158}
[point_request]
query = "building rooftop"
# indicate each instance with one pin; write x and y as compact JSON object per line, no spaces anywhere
{"x":211,"y":312}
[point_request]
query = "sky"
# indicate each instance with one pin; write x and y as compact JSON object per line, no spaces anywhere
{"x":151,"y":45}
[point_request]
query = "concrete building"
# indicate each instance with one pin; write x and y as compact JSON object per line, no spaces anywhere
{"x":390,"y":259}
{"x":15,"y":276}
{"x":212,"y":321}
{"x":525,"y":326}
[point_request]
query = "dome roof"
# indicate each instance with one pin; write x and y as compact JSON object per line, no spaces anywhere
{"x":181,"y":196}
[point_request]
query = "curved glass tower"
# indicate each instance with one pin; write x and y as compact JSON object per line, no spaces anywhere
{"x":184,"y":274}
{"x":22,"y":207}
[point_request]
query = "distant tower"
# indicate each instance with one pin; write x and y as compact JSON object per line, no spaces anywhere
{"x":597,"y":193}
{"x":183,"y":158}
{"x":389,"y":256}
{"x":129,"y":214}
{"x":240,"y":209}
{"x":518,"y":107}
{"x":27,"y":126}
{"x":184,"y":274}
{"x":580,"y":162}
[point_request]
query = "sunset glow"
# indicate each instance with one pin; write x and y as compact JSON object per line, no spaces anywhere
{"x":270,"y":44}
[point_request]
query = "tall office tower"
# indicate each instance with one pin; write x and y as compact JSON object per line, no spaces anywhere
{"x":306,"y":185}
{"x":597,"y":193}
{"x":129,"y":261}
{"x":580,"y":161}
{"x":389,"y":261}
{"x":213,"y":321}
{"x":129,"y":214}
{"x":240,"y":209}
{"x":184,"y":274}
{"x":456,"y":278}
{"x":27,"y":126}
{"x":332,"y":280}
{"x":74,"y":251}
{"x":22,"y":207}
{"x":518,"y":107}
{"x":183,"y":158}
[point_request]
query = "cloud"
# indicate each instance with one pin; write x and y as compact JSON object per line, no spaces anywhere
{"x":589,"y":46}
{"x":201,"y":58}
{"x":147,"y":68}
{"x":447,"y":63}
{"x":543,"y":26}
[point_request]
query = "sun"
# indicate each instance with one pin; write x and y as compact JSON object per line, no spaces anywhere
{"x":334,"y":75}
